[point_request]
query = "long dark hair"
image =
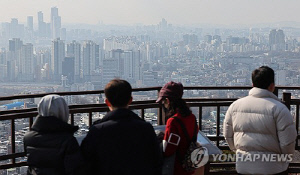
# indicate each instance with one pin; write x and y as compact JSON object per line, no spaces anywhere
{"x":178,"y":106}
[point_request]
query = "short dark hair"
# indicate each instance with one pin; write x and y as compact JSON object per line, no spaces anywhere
{"x":118,"y":92}
{"x":263,"y":77}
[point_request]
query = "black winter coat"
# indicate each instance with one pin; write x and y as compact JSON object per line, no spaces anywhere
{"x":122,"y":144}
{"x":52,"y":149}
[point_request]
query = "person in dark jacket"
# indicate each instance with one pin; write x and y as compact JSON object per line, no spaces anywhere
{"x":121,"y":143}
{"x":175,"y":141}
{"x":50,"y":145}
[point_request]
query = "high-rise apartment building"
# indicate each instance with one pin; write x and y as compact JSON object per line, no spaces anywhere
{"x":55,"y":23}
{"x":30,"y":23}
{"x":110,"y":70}
{"x":42,"y":26}
{"x":14,"y":58}
{"x":3,"y":56}
{"x":14,"y":29}
{"x":74,"y":50}
{"x":277,"y":40}
{"x":3,"y":64}
{"x":68,"y":69}
{"x":26,"y":63}
{"x":190,"y":39}
{"x":40,"y":16}
{"x":90,"y":58}
{"x":163,"y":25}
{"x":207,"y":39}
{"x":29,"y":33}
{"x":122,"y":64}
{"x":15,"y":44}
{"x":272,"y":37}
{"x":57,"y":57}
{"x":131,"y":66}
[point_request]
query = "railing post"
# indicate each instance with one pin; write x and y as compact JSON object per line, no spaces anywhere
{"x":30,"y":122}
{"x":297,"y":124}
{"x":200,"y":118}
{"x":13,"y":140}
{"x":286,"y":97}
{"x":72,"y":118}
{"x":143,"y":113}
{"x":218,"y":125}
{"x":90,"y":119}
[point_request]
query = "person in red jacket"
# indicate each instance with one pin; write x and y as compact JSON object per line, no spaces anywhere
{"x":174,"y":139}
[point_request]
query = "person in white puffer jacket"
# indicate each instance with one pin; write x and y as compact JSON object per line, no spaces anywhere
{"x":259,"y":128}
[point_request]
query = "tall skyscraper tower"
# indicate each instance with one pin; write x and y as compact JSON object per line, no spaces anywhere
{"x":163,"y":25}
{"x":16,"y":30}
{"x":26,"y":63}
{"x":29,"y":33}
{"x":277,"y":40}
{"x":55,"y":23}
{"x":13,"y":58}
{"x":30,"y":23}
{"x":54,"y":12}
{"x":41,"y":25}
{"x":110,"y":70}
{"x":74,"y":50}
{"x":90,"y":60}
{"x":280,"y":40}
{"x":68,"y":69}
{"x":132,"y":66}
{"x":57,"y":57}
{"x":15,"y":44}
{"x":3,"y":64}
{"x":40,"y":16}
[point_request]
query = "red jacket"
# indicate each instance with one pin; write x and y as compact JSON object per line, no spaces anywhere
{"x":175,"y":141}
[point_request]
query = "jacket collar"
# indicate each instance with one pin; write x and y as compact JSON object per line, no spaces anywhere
{"x":119,"y":114}
{"x":52,"y":124}
{"x":262,"y":93}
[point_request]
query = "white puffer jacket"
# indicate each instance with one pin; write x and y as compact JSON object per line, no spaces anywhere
{"x":258,"y":126}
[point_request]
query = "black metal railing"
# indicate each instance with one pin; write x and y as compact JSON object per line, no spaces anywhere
{"x":199,"y":103}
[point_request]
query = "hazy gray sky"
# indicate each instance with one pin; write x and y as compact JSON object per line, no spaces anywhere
{"x":151,"y":11}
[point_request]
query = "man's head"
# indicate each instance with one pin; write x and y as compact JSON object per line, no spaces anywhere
{"x":264,"y":78}
{"x":118,"y":93}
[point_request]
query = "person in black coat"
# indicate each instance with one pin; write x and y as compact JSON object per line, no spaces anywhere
{"x":50,"y":145}
{"x":121,"y":143}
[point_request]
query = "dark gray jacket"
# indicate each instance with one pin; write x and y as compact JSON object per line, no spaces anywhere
{"x":52,"y":149}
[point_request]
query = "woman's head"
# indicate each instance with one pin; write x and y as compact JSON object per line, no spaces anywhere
{"x":54,"y":105}
{"x":171,"y":97}
{"x":171,"y":90}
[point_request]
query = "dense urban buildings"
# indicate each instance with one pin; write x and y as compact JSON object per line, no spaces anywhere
{"x":148,"y":55}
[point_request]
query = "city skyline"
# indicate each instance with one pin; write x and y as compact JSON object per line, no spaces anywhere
{"x":229,"y":12}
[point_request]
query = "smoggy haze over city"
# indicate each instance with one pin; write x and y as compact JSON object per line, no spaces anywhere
{"x":148,"y":12}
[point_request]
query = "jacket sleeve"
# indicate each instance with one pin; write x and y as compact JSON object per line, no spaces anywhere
{"x":73,"y":161}
{"x":286,"y":131}
{"x":171,"y":138}
{"x":157,"y":153}
{"x":88,"y":149}
{"x":228,"y":129}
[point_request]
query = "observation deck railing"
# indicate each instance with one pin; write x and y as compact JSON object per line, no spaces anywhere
{"x":16,"y":159}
